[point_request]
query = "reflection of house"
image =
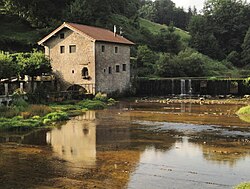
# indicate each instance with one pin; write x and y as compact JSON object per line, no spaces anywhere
{"x":75,"y":142}
{"x":94,"y":58}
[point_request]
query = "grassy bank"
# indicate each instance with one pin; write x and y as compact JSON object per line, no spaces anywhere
{"x":243,"y":186}
{"x":244,"y":114}
{"x":22,"y":115}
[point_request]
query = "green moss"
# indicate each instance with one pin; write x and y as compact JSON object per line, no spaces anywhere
{"x":57,"y":116}
{"x":243,"y":186}
{"x":18,"y":122}
{"x":92,"y":104}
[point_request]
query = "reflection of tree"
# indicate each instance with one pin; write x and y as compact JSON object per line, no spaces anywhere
{"x":225,"y":152}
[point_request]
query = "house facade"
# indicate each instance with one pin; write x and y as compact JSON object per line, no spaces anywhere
{"x":92,"y":58}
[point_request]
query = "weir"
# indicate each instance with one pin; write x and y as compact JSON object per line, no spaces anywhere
{"x":191,"y":87}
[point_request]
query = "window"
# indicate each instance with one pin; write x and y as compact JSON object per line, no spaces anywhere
{"x":124,"y":68}
{"x":103,"y":48}
{"x":117,"y":68}
{"x":110,"y":70}
{"x":73,"y":71}
{"x":62,"y":49}
{"x":116,"y":49}
{"x":61,"y":35}
{"x":72,"y":49}
{"x":85,"y":73}
{"x":104,"y":70}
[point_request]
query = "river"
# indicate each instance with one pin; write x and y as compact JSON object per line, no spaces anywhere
{"x":132,"y":145}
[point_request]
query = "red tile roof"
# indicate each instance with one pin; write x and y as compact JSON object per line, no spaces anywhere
{"x":100,"y":34}
{"x":97,"y":34}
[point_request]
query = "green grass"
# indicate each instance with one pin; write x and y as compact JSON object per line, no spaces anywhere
{"x":243,"y":186}
{"x":133,"y":33}
{"x":243,"y":111}
{"x":244,"y":114}
{"x":155,"y":28}
{"x":19,"y":123}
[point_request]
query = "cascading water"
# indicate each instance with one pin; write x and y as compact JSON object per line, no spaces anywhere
{"x":190,"y":90}
{"x":183,"y":87}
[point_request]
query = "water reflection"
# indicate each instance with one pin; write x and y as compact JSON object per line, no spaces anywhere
{"x":184,"y":165}
{"x":134,"y":146}
{"x":75,"y":141}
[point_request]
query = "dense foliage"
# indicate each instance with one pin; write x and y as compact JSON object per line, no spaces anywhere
{"x":20,"y":64}
{"x":221,"y":34}
{"x":8,"y":68}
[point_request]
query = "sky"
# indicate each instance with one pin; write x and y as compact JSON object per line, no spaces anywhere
{"x":190,"y":3}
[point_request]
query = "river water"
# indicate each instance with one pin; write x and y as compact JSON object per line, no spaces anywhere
{"x":132,"y":145}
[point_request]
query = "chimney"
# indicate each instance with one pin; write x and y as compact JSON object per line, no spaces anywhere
{"x":115,"y":30}
{"x":121,"y":32}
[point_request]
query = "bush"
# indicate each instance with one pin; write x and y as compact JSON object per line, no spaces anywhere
{"x":8,"y":112}
{"x":111,"y":101}
{"x":101,"y":97}
{"x":20,"y":104}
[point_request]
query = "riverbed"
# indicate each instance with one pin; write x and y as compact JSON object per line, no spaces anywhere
{"x":132,"y":145}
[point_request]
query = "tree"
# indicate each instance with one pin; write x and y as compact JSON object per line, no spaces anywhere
{"x":88,"y":11}
{"x":148,"y":11}
{"x":224,"y":24}
{"x":203,"y":38}
{"x":33,"y":64}
{"x":39,"y":13}
{"x":168,"y":67}
{"x":146,"y":60}
{"x":167,"y":41}
{"x":8,"y":68}
{"x":246,"y":49}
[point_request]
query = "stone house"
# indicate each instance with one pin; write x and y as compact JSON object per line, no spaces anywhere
{"x":92,"y":58}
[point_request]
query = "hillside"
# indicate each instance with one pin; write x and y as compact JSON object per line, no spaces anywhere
{"x":155,"y":28}
{"x":18,"y":35}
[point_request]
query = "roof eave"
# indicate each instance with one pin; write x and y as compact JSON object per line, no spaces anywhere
{"x":130,"y":43}
{"x":41,"y":42}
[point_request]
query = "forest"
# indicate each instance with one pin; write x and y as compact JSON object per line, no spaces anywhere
{"x":170,"y":41}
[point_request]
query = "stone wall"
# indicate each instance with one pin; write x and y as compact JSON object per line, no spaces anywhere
{"x":114,"y":55}
{"x":68,"y":66}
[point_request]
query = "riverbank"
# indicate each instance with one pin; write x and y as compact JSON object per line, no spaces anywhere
{"x":23,"y":116}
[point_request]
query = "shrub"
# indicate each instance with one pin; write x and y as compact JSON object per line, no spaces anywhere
{"x":20,"y":104}
{"x":111,"y":101}
{"x":8,"y":112}
{"x":101,"y":97}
